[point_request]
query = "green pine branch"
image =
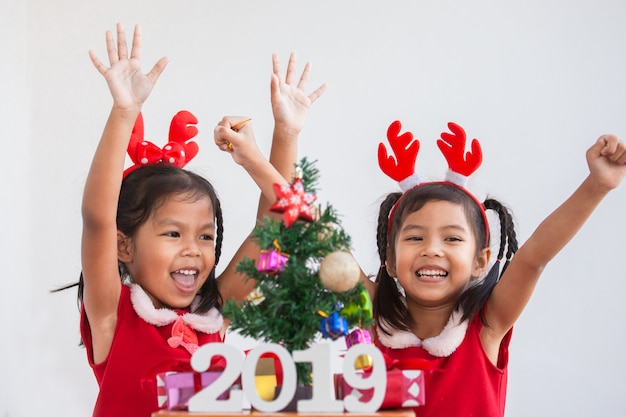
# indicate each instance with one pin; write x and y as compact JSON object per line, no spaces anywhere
{"x":287,"y":311}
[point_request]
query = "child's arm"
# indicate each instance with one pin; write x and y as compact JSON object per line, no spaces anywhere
{"x":99,"y":251}
{"x":607,"y":166}
{"x":290,"y":106}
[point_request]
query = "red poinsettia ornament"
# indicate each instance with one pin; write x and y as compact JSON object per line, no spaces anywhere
{"x":293,"y":201}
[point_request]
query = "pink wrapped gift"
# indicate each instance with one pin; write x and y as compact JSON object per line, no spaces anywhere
{"x":357,"y":336}
{"x":174,"y":389}
{"x":405,"y":388}
{"x":271,"y":261}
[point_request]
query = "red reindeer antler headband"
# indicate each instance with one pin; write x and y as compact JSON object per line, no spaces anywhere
{"x":461,"y":164}
{"x":178,"y":151}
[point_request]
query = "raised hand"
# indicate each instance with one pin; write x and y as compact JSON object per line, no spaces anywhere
{"x":128,"y":85}
{"x":290,"y":103}
{"x":607,"y":161}
{"x":235,"y":135}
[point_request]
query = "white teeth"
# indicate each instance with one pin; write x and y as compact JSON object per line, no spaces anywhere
{"x":186,"y":272}
{"x":431,"y":273}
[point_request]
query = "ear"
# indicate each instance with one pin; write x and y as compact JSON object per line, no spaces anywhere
{"x":481,"y":263}
{"x":124,"y":247}
{"x":390,"y":263}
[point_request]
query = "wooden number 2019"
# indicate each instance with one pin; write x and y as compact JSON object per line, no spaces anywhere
{"x":323,"y":399}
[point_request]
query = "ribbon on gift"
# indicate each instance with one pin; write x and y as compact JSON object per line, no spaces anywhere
{"x":405,"y":388}
{"x":158,"y":372}
{"x":181,"y":386}
{"x":409,"y":364}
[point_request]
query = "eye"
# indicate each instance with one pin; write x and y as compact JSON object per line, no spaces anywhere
{"x":453,"y":239}
{"x":171,"y":234}
{"x":206,"y":237}
{"x":413,"y":238}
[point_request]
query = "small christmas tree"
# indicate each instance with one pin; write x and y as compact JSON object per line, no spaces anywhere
{"x":290,"y":305}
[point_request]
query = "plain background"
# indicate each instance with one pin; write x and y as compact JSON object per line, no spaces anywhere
{"x":536,"y":81}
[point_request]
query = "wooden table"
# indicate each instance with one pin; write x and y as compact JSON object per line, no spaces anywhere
{"x":386,"y":413}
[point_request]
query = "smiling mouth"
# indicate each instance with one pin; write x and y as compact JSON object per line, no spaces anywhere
{"x":431,"y":274}
{"x":185,"y":277}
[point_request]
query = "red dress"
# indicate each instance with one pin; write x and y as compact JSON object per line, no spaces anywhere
{"x":140,"y":350}
{"x":463,"y":383}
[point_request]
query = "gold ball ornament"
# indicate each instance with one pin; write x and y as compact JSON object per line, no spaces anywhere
{"x":339,"y":271}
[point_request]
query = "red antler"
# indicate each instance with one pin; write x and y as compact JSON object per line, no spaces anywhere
{"x":182,"y":129}
{"x":178,"y":151}
{"x":405,"y":149}
{"x":453,"y":148}
{"x":136,"y":137}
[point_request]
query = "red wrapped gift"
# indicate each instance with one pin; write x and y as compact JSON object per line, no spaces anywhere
{"x":405,"y":388}
{"x":174,"y":389}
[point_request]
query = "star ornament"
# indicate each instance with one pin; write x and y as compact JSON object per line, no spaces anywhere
{"x":293,"y":202}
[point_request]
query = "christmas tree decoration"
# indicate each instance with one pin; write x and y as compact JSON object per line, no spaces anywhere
{"x":357,"y":336}
{"x":333,"y":326}
{"x":293,"y":201}
{"x":287,"y":312}
{"x":272,"y":261}
{"x":361,"y":310}
{"x":339,"y":271}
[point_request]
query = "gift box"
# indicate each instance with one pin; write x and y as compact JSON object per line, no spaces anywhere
{"x":271,"y":261}
{"x":334,"y":326}
{"x":358,"y":336}
{"x":265,"y":378}
{"x":174,"y":389}
{"x":405,"y":388}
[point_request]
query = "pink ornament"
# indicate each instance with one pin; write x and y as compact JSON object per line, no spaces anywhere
{"x":271,"y":261}
{"x":358,"y":336}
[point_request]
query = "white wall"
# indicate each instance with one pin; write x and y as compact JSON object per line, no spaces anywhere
{"x":536,"y":81}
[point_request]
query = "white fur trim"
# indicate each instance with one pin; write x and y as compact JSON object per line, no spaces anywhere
{"x":456,"y":178}
{"x":209,"y":322}
{"x":449,"y":339}
{"x":410,"y":182}
{"x":145,"y":309}
{"x":442,"y":345}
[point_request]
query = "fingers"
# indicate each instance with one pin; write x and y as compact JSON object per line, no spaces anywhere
{"x":226,"y":133}
{"x":275,"y":88}
{"x":136,"y":49}
{"x":291,"y":69}
{"x":305,"y":76}
{"x":122,"y":49}
{"x":115,"y":51}
{"x":111,"y":49}
{"x":317,"y":93}
{"x":221,"y":136}
{"x":276,"y":70}
{"x":611,"y":147}
{"x":158,"y":68}
{"x":97,"y":63}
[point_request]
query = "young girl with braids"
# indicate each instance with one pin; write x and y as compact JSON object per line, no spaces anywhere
{"x":434,"y":243}
{"x":152,"y":236}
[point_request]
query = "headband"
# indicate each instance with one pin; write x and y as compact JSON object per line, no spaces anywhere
{"x":179,"y":150}
{"x":401,"y":165}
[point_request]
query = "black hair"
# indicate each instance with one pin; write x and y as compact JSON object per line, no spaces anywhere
{"x":390,"y":310}
{"x":142,"y":192}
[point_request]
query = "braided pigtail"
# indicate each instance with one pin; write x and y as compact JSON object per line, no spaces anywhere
{"x":475,"y":297}
{"x":209,"y":292}
{"x":389,"y":309}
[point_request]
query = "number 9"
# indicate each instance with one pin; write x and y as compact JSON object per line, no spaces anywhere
{"x":376,"y":380}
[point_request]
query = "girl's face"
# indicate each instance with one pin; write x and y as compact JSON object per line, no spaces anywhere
{"x":435,"y":255}
{"x":173,"y":252}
